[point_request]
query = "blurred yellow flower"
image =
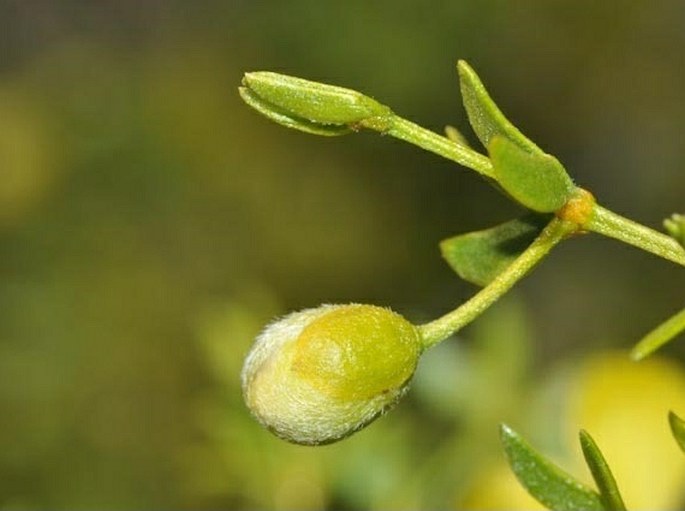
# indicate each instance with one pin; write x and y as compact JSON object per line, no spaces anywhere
{"x":497,"y":489}
{"x":624,"y":406}
{"x":27,"y":155}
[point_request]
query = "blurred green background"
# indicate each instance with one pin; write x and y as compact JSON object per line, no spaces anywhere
{"x":151,"y":224}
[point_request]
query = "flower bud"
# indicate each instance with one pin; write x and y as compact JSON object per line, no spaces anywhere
{"x":309,"y":106}
{"x":319,"y":375}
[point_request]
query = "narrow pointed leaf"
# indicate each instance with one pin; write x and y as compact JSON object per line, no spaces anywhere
{"x":283,"y":118}
{"x":546,"y":482}
{"x":608,"y":490}
{"x":485,"y":117}
{"x":678,"y":429}
{"x":478,"y":257}
{"x":536,"y":180}
{"x":665,"y":332}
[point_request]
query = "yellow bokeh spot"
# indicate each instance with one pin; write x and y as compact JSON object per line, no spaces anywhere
{"x":624,"y":406}
{"x":497,"y":489}
{"x":27,"y":156}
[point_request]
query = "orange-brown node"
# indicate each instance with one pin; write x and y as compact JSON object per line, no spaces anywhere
{"x":578,"y":209}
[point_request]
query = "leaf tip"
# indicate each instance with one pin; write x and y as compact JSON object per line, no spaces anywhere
{"x":637,"y":353}
{"x":584,"y":436}
{"x":254,"y":78}
{"x":674,"y":421}
{"x":507,"y":435}
{"x":465,"y":69}
{"x":677,"y":428}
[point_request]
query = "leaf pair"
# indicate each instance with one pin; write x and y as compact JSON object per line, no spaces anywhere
{"x":556,"y":489}
{"x":530,"y":176}
{"x":553,"y":487}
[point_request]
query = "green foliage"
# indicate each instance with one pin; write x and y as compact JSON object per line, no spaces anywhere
{"x":545,"y":481}
{"x":150,"y":224}
{"x":555,"y":488}
{"x":479,"y":257}
{"x":494,"y":258}
{"x":535,"y":180}
{"x":486,"y":119}
{"x":604,"y":479}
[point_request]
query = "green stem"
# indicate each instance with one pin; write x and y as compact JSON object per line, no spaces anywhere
{"x":659,"y":336}
{"x":441,"y":328}
{"x":413,"y":133}
{"x":615,"y":226}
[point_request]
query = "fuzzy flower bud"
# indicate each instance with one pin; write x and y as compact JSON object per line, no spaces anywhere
{"x":319,"y":375}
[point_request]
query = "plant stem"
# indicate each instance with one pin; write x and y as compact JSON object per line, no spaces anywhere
{"x":441,"y":328}
{"x":615,"y":226}
{"x":431,"y":141}
{"x":659,"y":336}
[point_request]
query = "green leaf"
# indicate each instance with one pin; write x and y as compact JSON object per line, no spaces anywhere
{"x":284,"y":119}
{"x":485,"y":117}
{"x":533,"y":178}
{"x":314,"y":102}
{"x":478,"y":257}
{"x":678,"y":429}
{"x":675,"y":225}
{"x":662,"y":334}
{"x":546,"y":482}
{"x":608,"y":490}
{"x":536,"y":180}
